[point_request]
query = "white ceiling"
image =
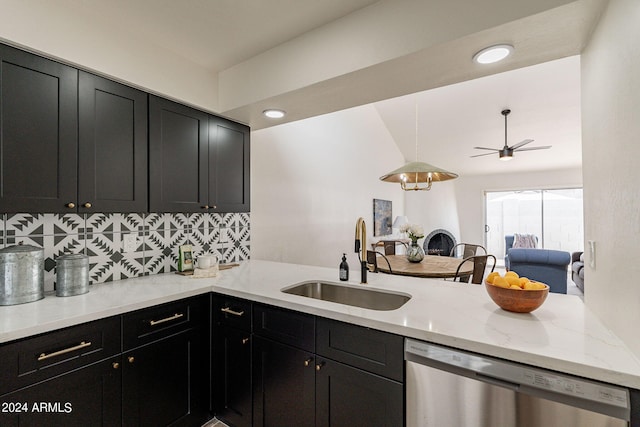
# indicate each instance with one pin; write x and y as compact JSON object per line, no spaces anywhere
{"x":218,"y":34}
{"x":545,"y":106}
{"x":459,"y":102}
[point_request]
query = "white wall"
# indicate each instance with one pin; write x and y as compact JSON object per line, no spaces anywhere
{"x":470,"y":194}
{"x":74,"y":33}
{"x":611,"y":135}
{"x":434,"y":209}
{"x":312,"y":179}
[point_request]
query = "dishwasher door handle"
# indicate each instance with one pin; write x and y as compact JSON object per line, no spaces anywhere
{"x":496,"y":381}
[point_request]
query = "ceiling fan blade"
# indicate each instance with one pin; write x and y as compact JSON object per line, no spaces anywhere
{"x":543,"y":147}
{"x":485,"y":154}
{"x":485,"y":148}
{"x":521,"y":143}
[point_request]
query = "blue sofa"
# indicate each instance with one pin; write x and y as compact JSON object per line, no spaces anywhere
{"x":543,"y":265}
{"x":508,"y":244}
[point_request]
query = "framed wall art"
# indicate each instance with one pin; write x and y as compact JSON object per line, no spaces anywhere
{"x":382,"y":217}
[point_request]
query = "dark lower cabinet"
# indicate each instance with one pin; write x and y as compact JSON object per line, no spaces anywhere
{"x":232,"y":376}
{"x":283,"y":384}
{"x":165,"y":383}
{"x":311,"y":371}
{"x":350,"y":397}
{"x":89,"y":396}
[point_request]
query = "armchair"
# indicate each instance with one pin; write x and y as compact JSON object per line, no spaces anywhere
{"x":544,"y":265}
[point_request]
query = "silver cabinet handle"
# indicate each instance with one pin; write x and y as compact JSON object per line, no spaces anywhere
{"x":235,"y":313}
{"x":45,"y":356}
{"x":166,"y":319}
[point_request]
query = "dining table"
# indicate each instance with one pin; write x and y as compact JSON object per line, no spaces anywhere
{"x":431,"y":266}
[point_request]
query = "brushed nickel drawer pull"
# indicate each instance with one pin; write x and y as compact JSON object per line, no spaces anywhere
{"x":166,"y":319}
{"x":45,"y":356}
{"x":235,"y":313}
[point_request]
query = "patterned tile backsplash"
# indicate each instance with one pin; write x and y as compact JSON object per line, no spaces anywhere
{"x":101,"y":237}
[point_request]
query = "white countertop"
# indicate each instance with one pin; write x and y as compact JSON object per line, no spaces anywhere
{"x":562,"y":335}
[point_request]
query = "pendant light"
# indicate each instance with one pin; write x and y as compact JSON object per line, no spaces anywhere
{"x":420,"y":174}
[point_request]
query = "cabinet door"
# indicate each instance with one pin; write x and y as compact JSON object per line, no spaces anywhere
{"x":166,"y":383}
{"x":112,"y":162}
{"x":350,"y":397}
{"x":283,"y":385}
{"x":178,"y":157}
{"x":38,"y":133}
{"x":232,"y":376}
{"x":89,"y":396}
{"x":228,"y":166}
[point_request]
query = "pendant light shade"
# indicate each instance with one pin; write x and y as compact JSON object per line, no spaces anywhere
{"x":417,"y":176}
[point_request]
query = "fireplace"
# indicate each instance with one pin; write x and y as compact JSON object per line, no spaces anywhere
{"x":439,"y":242}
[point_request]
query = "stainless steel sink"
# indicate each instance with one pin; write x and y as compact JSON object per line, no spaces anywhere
{"x":358,"y":296}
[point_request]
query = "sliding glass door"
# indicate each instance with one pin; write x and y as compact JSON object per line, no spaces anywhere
{"x":553,"y":216}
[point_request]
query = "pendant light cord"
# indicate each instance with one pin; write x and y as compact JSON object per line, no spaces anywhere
{"x":416,"y":129}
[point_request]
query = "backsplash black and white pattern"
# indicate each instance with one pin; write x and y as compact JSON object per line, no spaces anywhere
{"x":101,"y":235}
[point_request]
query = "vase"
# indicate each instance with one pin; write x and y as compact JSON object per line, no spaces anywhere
{"x":415,"y":252}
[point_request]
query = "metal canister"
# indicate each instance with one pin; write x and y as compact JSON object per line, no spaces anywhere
{"x":72,"y":275}
{"x":21,"y":274}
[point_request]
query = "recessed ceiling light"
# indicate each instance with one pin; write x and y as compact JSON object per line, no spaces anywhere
{"x":274,"y":114}
{"x":493,"y":54}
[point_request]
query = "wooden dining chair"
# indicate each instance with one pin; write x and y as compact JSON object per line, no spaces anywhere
{"x":480,"y":263}
{"x":468,"y":249}
{"x":389,"y":246}
{"x":372,"y":261}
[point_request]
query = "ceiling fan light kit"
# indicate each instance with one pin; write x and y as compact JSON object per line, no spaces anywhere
{"x":506,"y":153}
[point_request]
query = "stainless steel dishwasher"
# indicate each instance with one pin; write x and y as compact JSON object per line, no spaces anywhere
{"x":451,"y":388}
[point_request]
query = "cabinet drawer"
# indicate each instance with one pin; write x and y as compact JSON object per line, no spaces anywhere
{"x":234,"y":312}
{"x":41,"y":357}
{"x":287,"y":327}
{"x":374,"y":351}
{"x":154,"y":323}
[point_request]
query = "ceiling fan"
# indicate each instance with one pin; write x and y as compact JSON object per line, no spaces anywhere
{"x":506,"y":152}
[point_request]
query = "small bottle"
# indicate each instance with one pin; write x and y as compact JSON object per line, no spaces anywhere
{"x":344,"y":268}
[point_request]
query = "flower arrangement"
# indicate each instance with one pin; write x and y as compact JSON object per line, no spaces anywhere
{"x":414,"y":231}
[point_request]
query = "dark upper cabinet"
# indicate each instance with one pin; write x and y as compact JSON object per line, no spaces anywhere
{"x":197,"y":162}
{"x":38,"y":133}
{"x":178,"y":149}
{"x":228,"y":166}
{"x":112,"y":167}
{"x":70,"y":141}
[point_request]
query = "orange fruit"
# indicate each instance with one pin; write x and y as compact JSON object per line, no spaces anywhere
{"x":511,"y":273}
{"x":513,"y":281}
{"x":501,"y":282}
{"x":523,"y":280}
{"x":492,"y":276}
{"x":534,"y":286}
{"x":515,"y":287}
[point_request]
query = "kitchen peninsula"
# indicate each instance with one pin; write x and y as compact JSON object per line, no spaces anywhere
{"x":562,"y":335}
